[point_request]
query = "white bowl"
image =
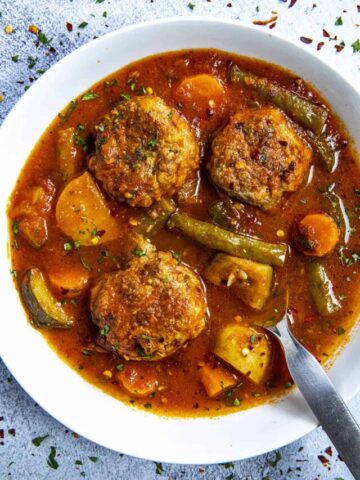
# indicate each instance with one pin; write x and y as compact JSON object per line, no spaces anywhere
{"x":54,"y":385}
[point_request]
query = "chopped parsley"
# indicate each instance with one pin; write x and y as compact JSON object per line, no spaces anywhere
{"x":51,"y":459}
{"x":83,"y":24}
{"x":287,"y":385}
{"x":15,"y":227}
{"x":67,"y":246}
{"x":43,"y":39}
{"x":356,"y":46}
{"x":147,"y":405}
{"x":339,"y":21}
{"x":37,"y":441}
{"x":80,"y":140}
{"x":65,"y":116}
{"x":340,"y":330}
{"x":273,"y":463}
{"x":104,"y":331}
{"x":90,"y":95}
{"x":15,"y":58}
{"x":252,"y":338}
{"x":86,"y":352}
{"x":348,"y":261}
{"x":158,"y":468}
{"x":77,"y":244}
{"x":120,"y":367}
{"x":191,"y":6}
{"x":93,"y":459}
{"x":236,"y":402}
{"x":139,"y":252}
{"x":152,"y":143}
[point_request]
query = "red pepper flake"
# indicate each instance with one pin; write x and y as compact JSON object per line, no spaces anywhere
{"x":358,"y":8}
{"x":272,"y":25}
{"x":326,"y":34}
{"x":12,"y":432}
{"x":320,"y":45}
{"x":1,"y":433}
{"x":292,"y":3}
{"x":339,"y":47}
{"x":201,"y":469}
{"x":75,"y":435}
{"x":265,"y":22}
{"x":323,"y":459}
{"x":306,"y":40}
{"x":229,"y":5}
{"x":328,"y":451}
{"x":69,"y":26}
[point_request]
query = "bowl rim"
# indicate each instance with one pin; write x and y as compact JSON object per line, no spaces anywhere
{"x":13,"y":113}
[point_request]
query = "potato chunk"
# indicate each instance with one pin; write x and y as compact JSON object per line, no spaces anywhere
{"x":137,"y":380}
{"x":81,"y":213}
{"x":250,"y":281}
{"x":216,"y":379}
{"x":246,"y":349}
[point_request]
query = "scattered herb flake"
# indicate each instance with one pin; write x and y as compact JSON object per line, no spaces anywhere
{"x":120,"y":367}
{"x":104,"y":331}
{"x":93,"y":459}
{"x":51,"y":459}
{"x":147,"y":405}
{"x":191,"y":6}
{"x":339,"y":21}
{"x":139,"y":252}
{"x":340,"y":330}
{"x":90,"y":95}
{"x":273,"y":463}
{"x":67,"y":246}
{"x":43,"y":38}
{"x":158,"y":468}
{"x":37,"y":441}
{"x":83,"y":25}
{"x":356,"y":46}
{"x":15,"y":58}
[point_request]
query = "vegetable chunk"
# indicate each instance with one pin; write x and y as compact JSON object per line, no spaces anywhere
{"x":246,"y":349}
{"x":201,"y":89}
{"x":322,"y":289}
{"x":216,"y":379}
{"x":250,"y":281}
{"x":137,"y":381}
{"x":69,"y":281}
{"x":316,"y":235}
{"x":45,"y":310}
{"x":81,"y":213}
{"x":68,"y":155}
{"x":232,"y":243}
{"x":32,"y":213}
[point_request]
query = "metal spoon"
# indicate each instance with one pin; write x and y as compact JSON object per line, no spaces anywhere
{"x":321,"y":396}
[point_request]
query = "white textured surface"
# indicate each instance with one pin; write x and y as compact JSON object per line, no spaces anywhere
{"x":17,"y":408}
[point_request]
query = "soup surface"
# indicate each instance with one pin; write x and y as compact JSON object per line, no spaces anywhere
{"x":233,"y":142}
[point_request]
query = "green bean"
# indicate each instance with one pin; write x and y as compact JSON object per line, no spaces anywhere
{"x":221,"y":216}
{"x":155,"y":218}
{"x":238,"y":245}
{"x":321,"y":289}
{"x":327,"y":155}
{"x":302,"y":111}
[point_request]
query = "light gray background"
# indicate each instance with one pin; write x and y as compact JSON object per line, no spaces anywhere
{"x":19,"y":458}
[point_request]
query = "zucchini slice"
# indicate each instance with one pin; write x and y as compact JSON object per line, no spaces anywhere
{"x":45,"y":310}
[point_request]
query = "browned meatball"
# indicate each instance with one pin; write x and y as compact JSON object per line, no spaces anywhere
{"x":149,"y":310}
{"x":258,"y":156}
{"x":145,"y":150}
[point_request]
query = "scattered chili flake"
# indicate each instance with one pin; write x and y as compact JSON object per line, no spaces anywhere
{"x":1,"y":433}
{"x":37,"y":441}
{"x":75,"y":435}
{"x":356,"y":46}
{"x":33,"y":29}
{"x":329,"y":451}
{"x":69,"y":26}
{"x":292,"y":3}
{"x":340,"y":46}
{"x":8,"y":29}
{"x":306,"y":40}
{"x":265,"y":22}
{"x":326,"y":34}
{"x":323,"y":459}
{"x":12,"y":432}
{"x":320,"y":45}
{"x":229,"y":5}
{"x":273,"y":25}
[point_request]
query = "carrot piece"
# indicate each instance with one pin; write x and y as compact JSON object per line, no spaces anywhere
{"x":69,"y":281}
{"x":138,"y":380}
{"x":316,"y":235}
{"x":216,"y":379}
{"x":205,"y":90}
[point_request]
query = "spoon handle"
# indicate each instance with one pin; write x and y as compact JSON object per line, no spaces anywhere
{"x":322,"y":397}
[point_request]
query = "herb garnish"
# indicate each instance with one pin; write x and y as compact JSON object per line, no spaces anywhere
{"x":51,"y":459}
{"x":37,"y":441}
{"x":90,"y":95}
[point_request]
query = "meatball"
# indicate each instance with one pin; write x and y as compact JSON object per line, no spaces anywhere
{"x":149,"y":310}
{"x":144,"y":150}
{"x":258,"y":156}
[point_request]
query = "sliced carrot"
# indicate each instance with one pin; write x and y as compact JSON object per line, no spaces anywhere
{"x":204,"y":90}
{"x":138,"y":380}
{"x":316,"y":235}
{"x":216,"y":379}
{"x":69,"y":281}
